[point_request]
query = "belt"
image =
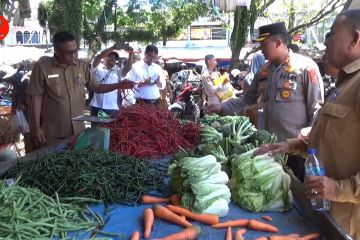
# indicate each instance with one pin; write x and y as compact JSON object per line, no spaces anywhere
{"x":148,"y":101}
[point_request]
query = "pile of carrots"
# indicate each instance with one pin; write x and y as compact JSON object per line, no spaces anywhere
{"x":145,"y":131}
{"x":178,"y":215}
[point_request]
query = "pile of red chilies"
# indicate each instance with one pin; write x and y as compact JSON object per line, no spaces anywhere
{"x":147,"y":132}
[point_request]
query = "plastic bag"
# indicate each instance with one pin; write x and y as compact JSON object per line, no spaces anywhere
{"x":19,"y":123}
{"x":226,"y":92}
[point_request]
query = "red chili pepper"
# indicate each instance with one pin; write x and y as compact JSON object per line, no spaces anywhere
{"x":146,"y":131}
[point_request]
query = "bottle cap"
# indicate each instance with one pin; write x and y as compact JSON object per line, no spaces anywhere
{"x":312,"y":151}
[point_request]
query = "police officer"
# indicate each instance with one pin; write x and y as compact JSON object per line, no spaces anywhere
{"x":289,"y":88}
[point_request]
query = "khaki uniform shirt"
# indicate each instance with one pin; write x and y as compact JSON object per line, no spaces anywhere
{"x":207,"y":78}
{"x":63,"y":91}
{"x":336,"y":135}
{"x":289,"y":93}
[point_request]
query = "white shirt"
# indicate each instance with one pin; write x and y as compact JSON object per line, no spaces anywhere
{"x":106,"y":100}
{"x":141,"y":70}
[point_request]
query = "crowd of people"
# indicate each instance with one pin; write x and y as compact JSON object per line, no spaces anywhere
{"x":286,"y":85}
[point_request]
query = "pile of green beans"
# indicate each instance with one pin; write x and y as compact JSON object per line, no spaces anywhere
{"x":26,"y":213}
{"x":97,"y":174}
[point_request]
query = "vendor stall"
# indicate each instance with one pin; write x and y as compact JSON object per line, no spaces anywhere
{"x":120,"y":180}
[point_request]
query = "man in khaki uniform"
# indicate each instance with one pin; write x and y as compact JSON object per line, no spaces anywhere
{"x":336,"y":130}
{"x":289,"y":88}
{"x":57,"y":90}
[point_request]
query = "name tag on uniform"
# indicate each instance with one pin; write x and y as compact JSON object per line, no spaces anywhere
{"x":53,"y":76}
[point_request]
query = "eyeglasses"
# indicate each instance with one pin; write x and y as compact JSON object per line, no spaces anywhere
{"x":70,"y":52}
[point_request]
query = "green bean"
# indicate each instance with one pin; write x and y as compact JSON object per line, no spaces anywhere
{"x":97,"y":175}
{"x":40,"y":216}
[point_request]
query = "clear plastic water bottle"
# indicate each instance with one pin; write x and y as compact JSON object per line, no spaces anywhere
{"x":313,"y":167}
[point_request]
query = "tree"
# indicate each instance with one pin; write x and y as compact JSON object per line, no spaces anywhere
{"x":93,"y":20}
{"x":243,"y":18}
{"x":310,"y":18}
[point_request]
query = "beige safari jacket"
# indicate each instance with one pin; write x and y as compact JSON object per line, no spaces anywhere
{"x":63,"y":91}
{"x":336,"y":135}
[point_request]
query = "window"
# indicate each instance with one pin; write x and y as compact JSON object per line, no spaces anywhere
{"x":19,"y":37}
{"x":35,"y":37}
{"x":26,"y":37}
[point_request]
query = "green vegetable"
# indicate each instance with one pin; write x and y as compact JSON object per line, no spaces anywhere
{"x":98,"y":175}
{"x":215,"y":150}
{"x":260,"y":183}
{"x":242,"y":130}
{"x":201,"y":184}
{"x":26,"y":213}
{"x":210,"y":135}
{"x":260,"y":137}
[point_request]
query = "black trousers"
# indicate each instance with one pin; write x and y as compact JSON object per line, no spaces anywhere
{"x":297,"y":165}
{"x":155,"y":102}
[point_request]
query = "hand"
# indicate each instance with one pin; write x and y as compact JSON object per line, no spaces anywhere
{"x":214,"y":108}
{"x":320,"y":187}
{"x":120,"y":45}
{"x":273,"y":149}
{"x":129,"y":49}
{"x":243,"y":73}
{"x":304,"y":133}
{"x":39,"y":135}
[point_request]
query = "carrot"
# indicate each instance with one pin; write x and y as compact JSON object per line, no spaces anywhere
{"x":240,"y":234}
{"x":287,"y":237}
{"x":262,"y":238}
{"x":175,"y":199}
{"x":232,"y":223}
{"x":135,"y":236}
{"x":228,"y":234}
{"x":267,"y":218}
{"x":165,"y":214}
{"x":261,"y":226}
{"x":146,"y":199}
{"x":209,"y":219}
{"x":310,"y":236}
{"x":189,"y":233}
{"x":148,"y":221}
{"x":182,"y":217}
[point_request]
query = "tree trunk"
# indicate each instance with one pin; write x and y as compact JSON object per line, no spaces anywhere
{"x":253,"y":16}
{"x":95,"y":40}
{"x":73,"y":17}
{"x":239,"y":34}
{"x":292,"y":18}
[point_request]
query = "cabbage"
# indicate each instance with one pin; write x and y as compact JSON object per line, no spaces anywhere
{"x":201,"y":184}
{"x":260,"y":183}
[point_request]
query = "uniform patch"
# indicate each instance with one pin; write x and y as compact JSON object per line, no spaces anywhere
{"x":285,"y":94}
{"x":287,"y":85}
{"x":313,"y":76}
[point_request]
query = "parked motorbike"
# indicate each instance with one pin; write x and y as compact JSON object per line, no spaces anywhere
{"x":185,"y":87}
{"x":13,"y":85}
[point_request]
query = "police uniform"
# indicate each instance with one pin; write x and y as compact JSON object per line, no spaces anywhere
{"x":289,"y":94}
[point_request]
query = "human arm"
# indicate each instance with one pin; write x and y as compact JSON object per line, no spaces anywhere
{"x":237,"y":105}
{"x":130,"y":61}
{"x":36,"y":102}
{"x":314,"y":90}
{"x":103,"y":54}
{"x":344,"y":190}
{"x":294,"y":146}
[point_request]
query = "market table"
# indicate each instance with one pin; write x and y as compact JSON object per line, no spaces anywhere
{"x":124,"y":220}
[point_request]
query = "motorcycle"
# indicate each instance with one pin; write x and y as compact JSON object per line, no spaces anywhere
{"x":13,"y":85}
{"x":185,"y":87}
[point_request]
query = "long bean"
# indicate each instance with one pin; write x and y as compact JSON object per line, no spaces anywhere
{"x":29,"y":214}
{"x":100,"y":175}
